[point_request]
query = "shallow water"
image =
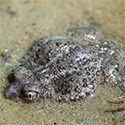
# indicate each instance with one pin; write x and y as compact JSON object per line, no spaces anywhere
{"x":23,"y":21}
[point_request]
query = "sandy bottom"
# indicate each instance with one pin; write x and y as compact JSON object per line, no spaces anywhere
{"x":23,"y":21}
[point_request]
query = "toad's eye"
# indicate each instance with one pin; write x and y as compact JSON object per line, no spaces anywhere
{"x":30,"y":92}
{"x":31,"y":96}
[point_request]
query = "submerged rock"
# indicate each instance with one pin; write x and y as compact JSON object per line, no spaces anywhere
{"x":66,"y":67}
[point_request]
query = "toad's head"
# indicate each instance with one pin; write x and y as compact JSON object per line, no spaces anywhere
{"x":22,"y":86}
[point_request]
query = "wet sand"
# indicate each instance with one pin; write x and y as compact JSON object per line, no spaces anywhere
{"x":22,"y":22}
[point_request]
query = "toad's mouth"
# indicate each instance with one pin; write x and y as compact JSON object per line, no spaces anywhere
{"x":27,"y":93}
{"x":11,"y":93}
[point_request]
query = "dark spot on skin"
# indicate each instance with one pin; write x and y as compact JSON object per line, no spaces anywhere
{"x":77,"y":89}
{"x":79,"y":73}
{"x":64,"y":59}
{"x":87,"y":73}
{"x":61,"y":68}
{"x":58,"y":61}
{"x":92,"y":69}
{"x":77,"y":48}
{"x":87,"y":69}
{"x":84,"y":61}
{"x":70,"y":65}
{"x":68,"y":74}
{"x":75,"y":68}
{"x":87,"y":61}
{"x":85,"y":85}
{"x":97,"y":73}
{"x":71,"y":53}
{"x":58,"y":44}
{"x":65,"y":44}
{"x":72,"y":79}
{"x":68,"y":54}
{"x":79,"y":63}
{"x":84,"y":80}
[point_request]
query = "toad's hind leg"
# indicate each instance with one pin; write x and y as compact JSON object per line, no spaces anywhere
{"x":86,"y":33}
{"x":77,"y":92}
{"x":112,"y":46}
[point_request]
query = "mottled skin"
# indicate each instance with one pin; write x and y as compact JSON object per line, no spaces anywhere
{"x":66,"y":68}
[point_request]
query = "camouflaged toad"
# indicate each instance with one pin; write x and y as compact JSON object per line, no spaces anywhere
{"x":66,"y":67}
